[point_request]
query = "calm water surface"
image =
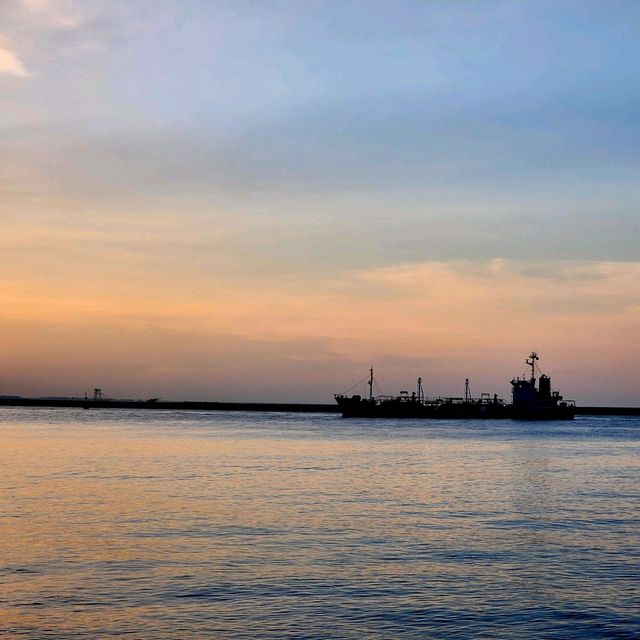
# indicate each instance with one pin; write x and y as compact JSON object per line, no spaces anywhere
{"x":201,"y":525}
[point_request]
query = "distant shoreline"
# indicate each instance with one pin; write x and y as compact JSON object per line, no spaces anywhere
{"x":259,"y":407}
{"x":160,"y":405}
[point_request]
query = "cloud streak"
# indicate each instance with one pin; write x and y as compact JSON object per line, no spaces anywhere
{"x":10,"y":63}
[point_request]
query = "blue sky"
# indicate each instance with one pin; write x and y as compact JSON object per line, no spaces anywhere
{"x":491,"y":112}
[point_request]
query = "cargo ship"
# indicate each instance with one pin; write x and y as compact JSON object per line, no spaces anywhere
{"x":529,"y":402}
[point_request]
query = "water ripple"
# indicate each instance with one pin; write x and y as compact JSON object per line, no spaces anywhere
{"x":187,"y":526}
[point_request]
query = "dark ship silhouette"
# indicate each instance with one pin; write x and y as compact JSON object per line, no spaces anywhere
{"x":531,"y":403}
{"x":528,"y":402}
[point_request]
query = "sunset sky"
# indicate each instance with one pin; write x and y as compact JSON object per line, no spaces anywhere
{"x":228,"y":200}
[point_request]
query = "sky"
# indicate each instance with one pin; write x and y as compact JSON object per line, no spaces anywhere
{"x":258,"y":200}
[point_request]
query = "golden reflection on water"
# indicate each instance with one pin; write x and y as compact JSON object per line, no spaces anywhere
{"x":174,"y":528}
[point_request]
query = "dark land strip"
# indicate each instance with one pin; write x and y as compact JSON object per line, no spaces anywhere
{"x":159,"y":405}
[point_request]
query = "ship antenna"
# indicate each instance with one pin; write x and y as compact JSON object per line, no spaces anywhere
{"x":531,"y":361}
{"x":420,"y":390}
{"x":371,"y":383}
{"x":467,"y":392}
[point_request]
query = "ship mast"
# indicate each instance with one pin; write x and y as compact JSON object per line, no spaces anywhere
{"x":531,"y":361}
{"x":370,"y":383}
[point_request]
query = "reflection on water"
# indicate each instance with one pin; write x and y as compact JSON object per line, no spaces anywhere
{"x":178,"y":525}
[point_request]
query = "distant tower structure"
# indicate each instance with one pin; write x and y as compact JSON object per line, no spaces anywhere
{"x":97,"y":394}
{"x":467,"y":390}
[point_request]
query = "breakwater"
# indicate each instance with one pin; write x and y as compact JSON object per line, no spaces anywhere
{"x":260,"y":407}
{"x":289,"y":407}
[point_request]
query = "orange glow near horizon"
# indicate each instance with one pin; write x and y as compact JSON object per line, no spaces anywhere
{"x":301,"y":338}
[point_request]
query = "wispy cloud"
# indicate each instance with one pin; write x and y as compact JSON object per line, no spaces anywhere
{"x":10,"y":63}
{"x":57,"y":14}
{"x":46,"y":31}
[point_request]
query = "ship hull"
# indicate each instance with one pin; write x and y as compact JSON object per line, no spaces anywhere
{"x":356,"y":407}
{"x":543,"y":413}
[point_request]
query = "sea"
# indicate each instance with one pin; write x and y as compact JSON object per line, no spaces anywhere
{"x":184,"y":525}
